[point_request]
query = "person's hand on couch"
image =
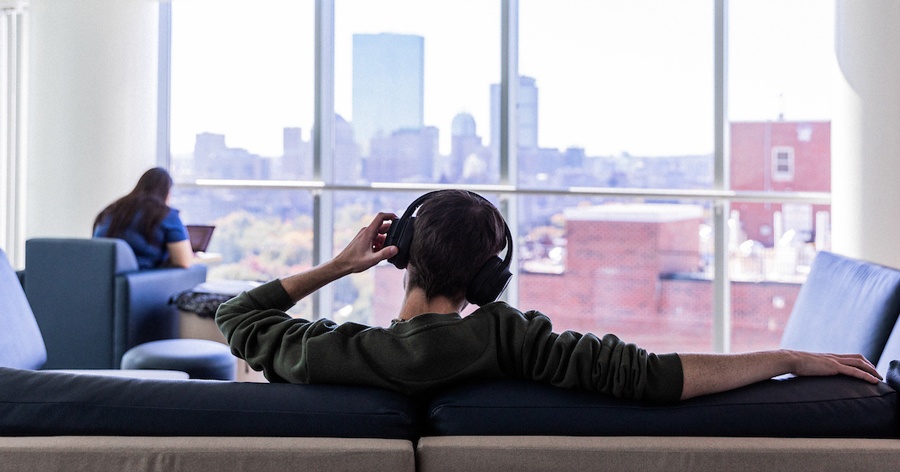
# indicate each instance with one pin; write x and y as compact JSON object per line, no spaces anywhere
{"x":712,"y":373}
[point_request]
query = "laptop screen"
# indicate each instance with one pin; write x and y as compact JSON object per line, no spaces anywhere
{"x":200,"y":236}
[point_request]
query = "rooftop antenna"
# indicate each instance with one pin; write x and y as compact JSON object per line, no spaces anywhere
{"x":781,"y":106}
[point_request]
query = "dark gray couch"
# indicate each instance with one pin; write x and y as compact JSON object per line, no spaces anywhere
{"x":63,"y":421}
{"x":103,"y":412}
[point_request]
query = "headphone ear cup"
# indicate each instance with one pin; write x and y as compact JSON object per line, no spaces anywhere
{"x":402,"y":238}
{"x":490,"y":281}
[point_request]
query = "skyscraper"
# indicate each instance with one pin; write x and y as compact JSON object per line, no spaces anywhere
{"x":527,"y":108}
{"x":388,"y":85}
{"x":468,"y":159}
{"x":296,"y":162}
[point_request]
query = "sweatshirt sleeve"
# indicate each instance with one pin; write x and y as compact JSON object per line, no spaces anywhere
{"x":605,"y":365}
{"x":259,"y":331}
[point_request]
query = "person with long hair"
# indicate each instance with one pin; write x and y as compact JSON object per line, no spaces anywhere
{"x":145,"y":221}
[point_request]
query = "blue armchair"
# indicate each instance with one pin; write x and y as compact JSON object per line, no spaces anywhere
{"x":92,"y":303}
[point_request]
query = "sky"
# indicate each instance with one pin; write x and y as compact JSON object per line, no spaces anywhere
{"x":613,"y":77}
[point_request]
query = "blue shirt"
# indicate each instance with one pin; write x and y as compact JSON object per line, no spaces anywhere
{"x":170,"y":230}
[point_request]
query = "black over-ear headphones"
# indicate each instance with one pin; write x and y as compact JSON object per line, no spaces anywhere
{"x":490,"y":281}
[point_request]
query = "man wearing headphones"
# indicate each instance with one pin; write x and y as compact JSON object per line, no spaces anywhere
{"x":450,"y":252}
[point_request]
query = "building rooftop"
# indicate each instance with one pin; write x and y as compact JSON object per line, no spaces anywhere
{"x":635,"y":212}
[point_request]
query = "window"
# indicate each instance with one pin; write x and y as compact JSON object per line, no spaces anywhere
{"x":782,"y":164}
{"x":242,"y":91}
{"x":635,"y":111}
{"x":617,"y":192}
{"x":781,"y":60}
{"x":412,"y":82}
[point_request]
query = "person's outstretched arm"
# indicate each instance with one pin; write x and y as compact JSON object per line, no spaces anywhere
{"x":364,"y":251}
{"x":713,"y":373}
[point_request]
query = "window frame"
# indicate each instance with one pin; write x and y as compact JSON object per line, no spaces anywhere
{"x":779,"y":175}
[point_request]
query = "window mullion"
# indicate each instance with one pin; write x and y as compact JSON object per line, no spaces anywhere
{"x":509,"y":85}
{"x":721,"y":323}
{"x":323,"y":150}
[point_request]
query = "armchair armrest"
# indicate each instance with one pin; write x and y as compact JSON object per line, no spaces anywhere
{"x":144,"y":311}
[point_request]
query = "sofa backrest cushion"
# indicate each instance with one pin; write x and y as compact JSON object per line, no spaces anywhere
{"x":21,"y":344}
{"x":41,"y":403}
{"x":71,"y":284}
{"x":796,"y":407}
{"x":845,"y":306}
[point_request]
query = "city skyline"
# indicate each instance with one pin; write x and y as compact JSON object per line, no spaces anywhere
{"x":388,"y":85}
{"x":250,"y":83}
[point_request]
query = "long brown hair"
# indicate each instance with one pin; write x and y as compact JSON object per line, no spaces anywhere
{"x":148,"y":197}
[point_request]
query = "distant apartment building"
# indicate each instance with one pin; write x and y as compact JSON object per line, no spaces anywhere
{"x":213,"y":159}
{"x":406,"y":155}
{"x":469,"y":159}
{"x":615,"y":257}
{"x":781,"y":156}
{"x":526,"y":114}
{"x":296,"y":159}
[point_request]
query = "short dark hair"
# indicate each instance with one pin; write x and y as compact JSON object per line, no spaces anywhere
{"x":456,"y":232}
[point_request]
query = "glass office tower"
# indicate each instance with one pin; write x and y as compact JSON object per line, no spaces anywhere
{"x":388,"y":85}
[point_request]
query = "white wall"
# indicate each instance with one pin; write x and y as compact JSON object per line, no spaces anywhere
{"x":865,"y":156}
{"x":92,"y":117}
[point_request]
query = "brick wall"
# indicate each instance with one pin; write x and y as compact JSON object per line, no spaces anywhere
{"x":751,"y":167}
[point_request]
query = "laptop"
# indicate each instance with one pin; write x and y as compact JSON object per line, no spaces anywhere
{"x":200,"y":236}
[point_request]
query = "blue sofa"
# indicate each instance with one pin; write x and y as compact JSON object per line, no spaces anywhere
{"x":53,"y":421}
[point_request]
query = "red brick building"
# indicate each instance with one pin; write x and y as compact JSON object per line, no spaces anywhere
{"x":781,"y":156}
{"x":615,"y":255}
{"x":636,"y":270}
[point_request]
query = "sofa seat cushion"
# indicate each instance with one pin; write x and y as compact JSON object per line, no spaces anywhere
{"x":796,"y":407}
{"x":36,"y":403}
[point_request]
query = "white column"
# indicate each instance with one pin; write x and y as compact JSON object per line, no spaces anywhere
{"x":865,"y":177}
{"x":92,"y":116}
{"x":13,"y":103}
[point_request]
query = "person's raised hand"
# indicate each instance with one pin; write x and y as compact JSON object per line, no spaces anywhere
{"x":367,"y":247}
